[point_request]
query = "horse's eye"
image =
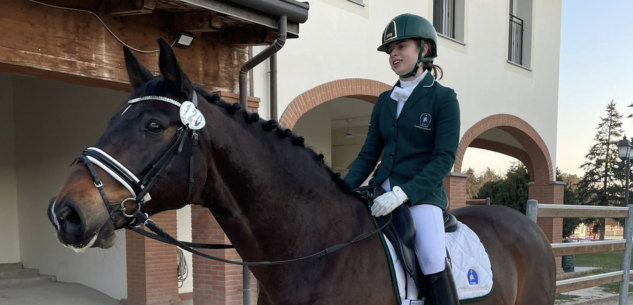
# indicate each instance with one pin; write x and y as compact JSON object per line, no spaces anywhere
{"x":154,"y":127}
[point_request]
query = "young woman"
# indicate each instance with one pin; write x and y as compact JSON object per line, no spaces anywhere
{"x":415,"y":126}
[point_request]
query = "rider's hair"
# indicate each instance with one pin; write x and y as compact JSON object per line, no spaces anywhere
{"x":430,"y":66}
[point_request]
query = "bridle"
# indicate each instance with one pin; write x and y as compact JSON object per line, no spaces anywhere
{"x":192,"y":120}
{"x":139,"y":189}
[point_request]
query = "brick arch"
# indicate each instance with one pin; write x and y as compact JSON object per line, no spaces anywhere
{"x":358,"y":88}
{"x":536,"y":156}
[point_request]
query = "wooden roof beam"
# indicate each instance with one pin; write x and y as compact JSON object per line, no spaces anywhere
{"x":198,"y":22}
{"x":247,"y":36}
{"x":129,"y":7}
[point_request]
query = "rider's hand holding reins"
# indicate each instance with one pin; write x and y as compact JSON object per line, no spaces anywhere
{"x":388,"y":202}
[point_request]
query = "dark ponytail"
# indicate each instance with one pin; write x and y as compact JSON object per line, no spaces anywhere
{"x":436,"y":70}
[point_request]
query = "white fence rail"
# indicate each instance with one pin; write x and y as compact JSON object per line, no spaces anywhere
{"x":535,"y":210}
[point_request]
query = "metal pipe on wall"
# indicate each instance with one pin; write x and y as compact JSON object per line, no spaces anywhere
{"x":257,"y":59}
{"x":248,"y":66}
{"x":273,"y":88}
{"x":251,"y":83}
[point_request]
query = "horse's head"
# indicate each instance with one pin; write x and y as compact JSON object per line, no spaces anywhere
{"x":144,"y":141}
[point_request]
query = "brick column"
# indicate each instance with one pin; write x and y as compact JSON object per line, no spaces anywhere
{"x":551,"y":193}
{"x":455,"y":187}
{"x":215,"y":283}
{"x":152,"y":269}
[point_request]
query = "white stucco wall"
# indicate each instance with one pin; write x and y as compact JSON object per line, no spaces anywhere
{"x":340,"y":38}
{"x":54,"y":123}
{"x":345,"y":150}
{"x":319,"y":138}
{"x":9,"y":233}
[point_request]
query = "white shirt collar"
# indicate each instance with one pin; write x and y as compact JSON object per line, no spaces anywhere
{"x":401,"y":93}
{"x":415,"y":82}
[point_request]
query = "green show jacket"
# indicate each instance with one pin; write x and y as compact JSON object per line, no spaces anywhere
{"x":419,"y":146}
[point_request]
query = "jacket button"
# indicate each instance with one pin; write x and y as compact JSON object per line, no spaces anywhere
{"x":391,"y":154}
{"x":389,"y":171}
{"x":394,"y":125}
{"x":395,"y":141}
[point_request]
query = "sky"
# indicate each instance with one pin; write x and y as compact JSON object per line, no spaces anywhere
{"x":596,"y":66}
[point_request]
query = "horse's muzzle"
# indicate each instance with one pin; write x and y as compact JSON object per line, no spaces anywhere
{"x":68,"y":221}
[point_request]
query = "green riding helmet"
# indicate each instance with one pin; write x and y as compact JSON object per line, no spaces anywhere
{"x":409,"y":26}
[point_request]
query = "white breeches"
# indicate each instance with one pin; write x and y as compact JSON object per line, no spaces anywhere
{"x":430,"y":242}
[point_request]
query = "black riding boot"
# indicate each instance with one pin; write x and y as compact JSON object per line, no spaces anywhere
{"x":442,"y":287}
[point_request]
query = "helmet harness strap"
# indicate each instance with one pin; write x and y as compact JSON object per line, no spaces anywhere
{"x":419,"y":62}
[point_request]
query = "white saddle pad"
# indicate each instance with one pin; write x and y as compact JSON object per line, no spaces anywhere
{"x":470,"y":264}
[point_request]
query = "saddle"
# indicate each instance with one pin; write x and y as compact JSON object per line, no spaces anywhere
{"x":401,"y":232}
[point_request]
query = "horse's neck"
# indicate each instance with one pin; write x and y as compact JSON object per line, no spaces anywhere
{"x":273,"y":201}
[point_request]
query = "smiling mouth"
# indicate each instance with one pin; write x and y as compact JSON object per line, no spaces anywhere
{"x":396,"y":62}
{"x":82,"y":248}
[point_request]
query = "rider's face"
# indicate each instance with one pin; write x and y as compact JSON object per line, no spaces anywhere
{"x":403,"y":55}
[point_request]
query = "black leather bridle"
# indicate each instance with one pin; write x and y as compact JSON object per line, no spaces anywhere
{"x":140,"y":190}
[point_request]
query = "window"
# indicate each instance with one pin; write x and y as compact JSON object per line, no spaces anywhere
{"x":520,"y":32}
{"x":448,"y":18}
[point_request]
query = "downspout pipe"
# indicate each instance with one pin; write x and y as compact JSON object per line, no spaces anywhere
{"x":248,"y":66}
{"x":272,"y":49}
{"x":273,"y":88}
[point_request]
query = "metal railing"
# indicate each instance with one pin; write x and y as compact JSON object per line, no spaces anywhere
{"x":515,"y":42}
{"x":534,"y":210}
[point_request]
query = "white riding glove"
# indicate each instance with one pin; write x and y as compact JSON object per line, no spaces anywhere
{"x":388,"y":202}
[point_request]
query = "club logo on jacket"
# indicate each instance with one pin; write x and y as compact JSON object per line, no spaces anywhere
{"x":425,"y":122}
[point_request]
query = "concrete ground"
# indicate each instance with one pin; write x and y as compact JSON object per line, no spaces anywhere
{"x":56,"y":293}
{"x":53,"y":294}
{"x":593,"y":296}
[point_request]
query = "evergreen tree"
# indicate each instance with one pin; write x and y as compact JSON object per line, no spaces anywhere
{"x":570,"y":197}
{"x":474,"y":181}
{"x":471,"y":184}
{"x":601,"y":184}
{"x":511,"y":191}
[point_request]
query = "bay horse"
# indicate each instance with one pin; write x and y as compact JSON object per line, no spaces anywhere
{"x":274,"y":198}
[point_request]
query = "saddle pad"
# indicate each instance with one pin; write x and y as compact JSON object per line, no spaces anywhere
{"x":471,"y":265}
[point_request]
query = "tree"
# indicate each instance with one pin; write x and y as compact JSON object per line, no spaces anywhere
{"x":601,"y":184}
{"x":570,"y":197}
{"x":511,"y":191}
{"x":471,"y":184}
{"x":474,"y":181}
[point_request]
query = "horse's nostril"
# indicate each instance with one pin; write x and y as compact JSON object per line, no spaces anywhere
{"x":69,"y":220}
{"x":70,"y":215}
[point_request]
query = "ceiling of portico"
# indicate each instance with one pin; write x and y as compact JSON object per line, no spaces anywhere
{"x":500,"y":136}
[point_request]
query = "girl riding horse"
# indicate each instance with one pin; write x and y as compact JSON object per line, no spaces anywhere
{"x":415,"y":126}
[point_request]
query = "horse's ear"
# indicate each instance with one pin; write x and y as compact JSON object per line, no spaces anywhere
{"x":171,"y":70}
{"x":136,"y":72}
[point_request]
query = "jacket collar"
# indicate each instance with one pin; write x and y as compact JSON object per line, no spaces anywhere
{"x":420,"y":90}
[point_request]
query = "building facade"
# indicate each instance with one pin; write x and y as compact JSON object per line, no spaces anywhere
{"x":62,"y":76}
